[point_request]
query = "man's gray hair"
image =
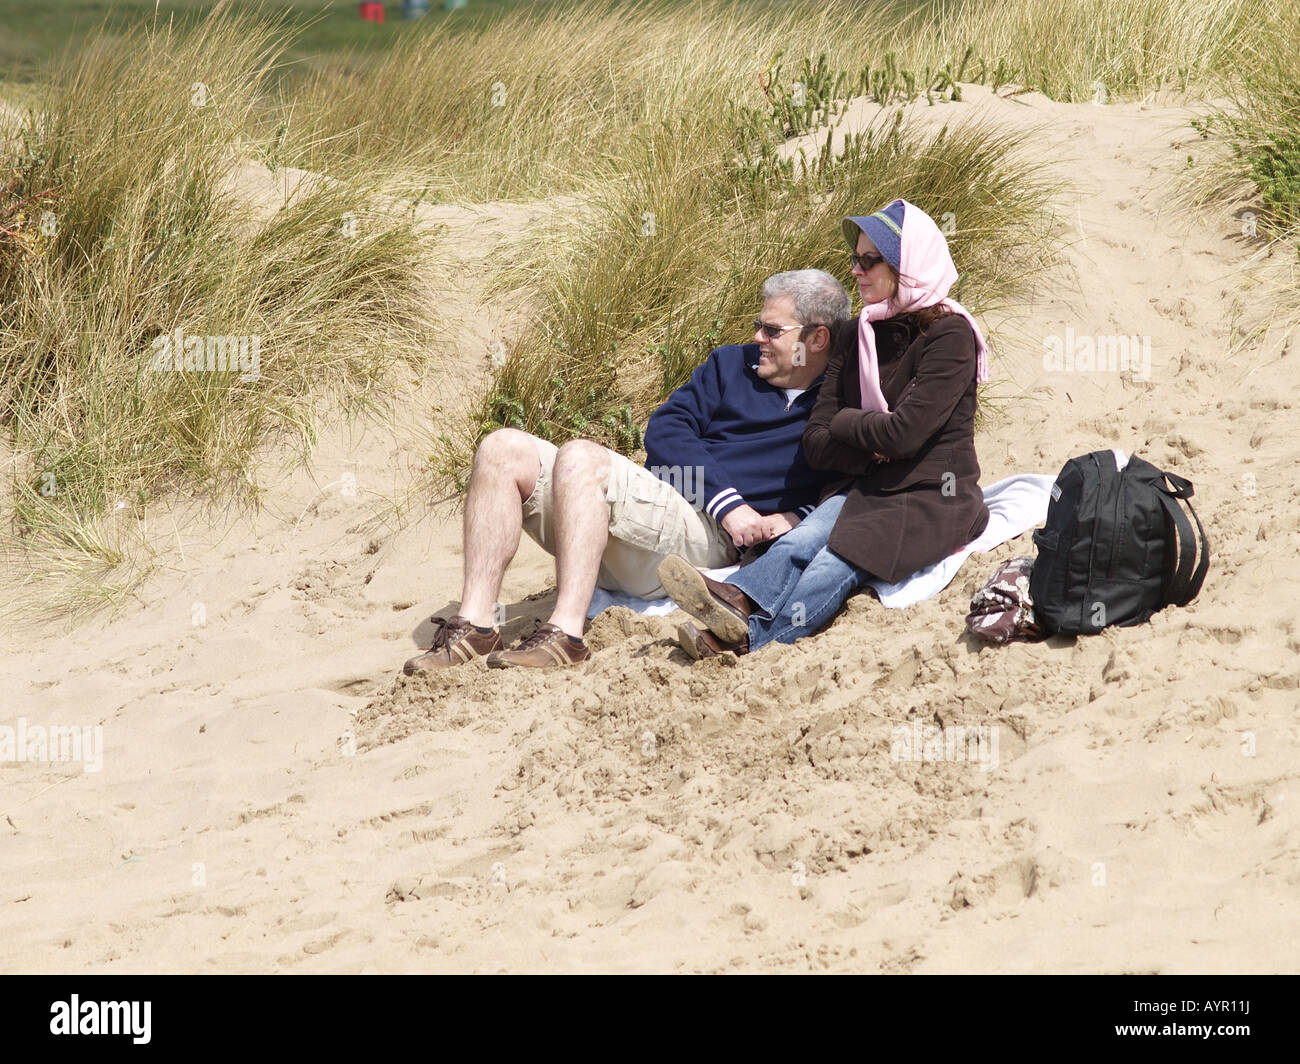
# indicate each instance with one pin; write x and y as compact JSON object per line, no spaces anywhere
{"x":819,"y":298}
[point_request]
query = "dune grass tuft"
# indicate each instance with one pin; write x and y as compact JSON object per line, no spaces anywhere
{"x":1261,"y":123}
{"x":155,"y":332}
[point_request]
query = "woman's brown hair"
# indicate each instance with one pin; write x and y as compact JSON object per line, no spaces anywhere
{"x":927,"y":316}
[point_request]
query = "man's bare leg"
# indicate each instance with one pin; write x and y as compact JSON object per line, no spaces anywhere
{"x":506,"y":468}
{"x":581,"y":529}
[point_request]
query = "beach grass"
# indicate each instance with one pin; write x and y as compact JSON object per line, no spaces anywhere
{"x":37,"y":34}
{"x":1261,"y":121}
{"x":154,"y":334}
{"x":536,"y":101}
{"x":1248,"y":166}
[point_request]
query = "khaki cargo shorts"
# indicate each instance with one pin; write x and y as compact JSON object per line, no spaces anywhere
{"x":648,"y":520}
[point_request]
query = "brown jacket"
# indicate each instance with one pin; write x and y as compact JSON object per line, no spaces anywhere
{"x":924,"y":503}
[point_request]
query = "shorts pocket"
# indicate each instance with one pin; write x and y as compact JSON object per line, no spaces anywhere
{"x":648,"y":515}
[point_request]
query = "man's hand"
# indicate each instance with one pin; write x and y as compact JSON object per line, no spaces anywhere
{"x":746,"y":526}
{"x":780,"y":524}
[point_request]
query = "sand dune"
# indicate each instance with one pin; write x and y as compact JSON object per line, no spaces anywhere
{"x":273,"y":798}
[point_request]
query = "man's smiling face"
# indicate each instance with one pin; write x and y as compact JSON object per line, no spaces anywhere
{"x":784,"y":357}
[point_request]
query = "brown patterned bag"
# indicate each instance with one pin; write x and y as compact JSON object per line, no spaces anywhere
{"x":1002,"y":611}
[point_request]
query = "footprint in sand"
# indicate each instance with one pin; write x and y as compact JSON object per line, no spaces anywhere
{"x":1180,"y":308}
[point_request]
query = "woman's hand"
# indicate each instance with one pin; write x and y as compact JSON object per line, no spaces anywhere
{"x":780,"y":524}
{"x":942,"y":374}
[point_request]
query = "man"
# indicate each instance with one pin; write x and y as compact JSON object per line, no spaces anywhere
{"x":724,"y":471}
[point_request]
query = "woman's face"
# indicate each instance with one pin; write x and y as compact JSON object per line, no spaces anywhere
{"x":878,"y":283}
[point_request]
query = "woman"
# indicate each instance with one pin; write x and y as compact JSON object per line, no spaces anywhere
{"x":896,"y":416}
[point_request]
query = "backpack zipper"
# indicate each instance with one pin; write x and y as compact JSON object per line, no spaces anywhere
{"x":1115,"y":527}
{"x":1092,"y":556}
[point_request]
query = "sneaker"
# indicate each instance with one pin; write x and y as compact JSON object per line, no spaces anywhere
{"x":705,"y":644}
{"x":546,"y":648}
{"x":722,"y":608}
{"x":455,"y":641}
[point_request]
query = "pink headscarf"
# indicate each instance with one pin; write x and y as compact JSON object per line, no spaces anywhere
{"x":926,"y":274}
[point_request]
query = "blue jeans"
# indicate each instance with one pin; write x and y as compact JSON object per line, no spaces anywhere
{"x":799,"y":584}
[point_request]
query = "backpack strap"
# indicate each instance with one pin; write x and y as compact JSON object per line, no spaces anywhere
{"x":1184,"y":581}
{"x":1182,"y":489}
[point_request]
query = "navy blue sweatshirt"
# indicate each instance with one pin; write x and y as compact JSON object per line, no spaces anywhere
{"x":726,"y":438}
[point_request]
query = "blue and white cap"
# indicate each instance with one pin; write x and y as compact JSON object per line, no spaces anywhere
{"x":884,"y":229}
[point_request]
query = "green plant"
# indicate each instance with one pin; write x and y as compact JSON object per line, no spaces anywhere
{"x":1254,"y":139}
{"x":1275,"y":168}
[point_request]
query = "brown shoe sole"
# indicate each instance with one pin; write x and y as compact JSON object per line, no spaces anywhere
{"x":689,"y":638}
{"x":701,"y":645}
{"x":685,"y":584}
{"x":508,"y":663}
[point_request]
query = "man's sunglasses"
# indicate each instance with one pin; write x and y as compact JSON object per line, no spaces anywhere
{"x":773,"y":331}
{"x":865,"y":262}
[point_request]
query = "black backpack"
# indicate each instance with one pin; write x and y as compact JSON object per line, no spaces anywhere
{"x":1116,"y":547}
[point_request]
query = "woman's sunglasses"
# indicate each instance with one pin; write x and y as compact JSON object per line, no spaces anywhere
{"x":865,"y":262}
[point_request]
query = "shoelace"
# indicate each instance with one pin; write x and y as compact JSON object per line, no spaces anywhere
{"x":443,"y":631}
{"x":542,"y":635}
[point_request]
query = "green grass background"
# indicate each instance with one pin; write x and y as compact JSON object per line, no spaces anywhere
{"x":32,"y":32}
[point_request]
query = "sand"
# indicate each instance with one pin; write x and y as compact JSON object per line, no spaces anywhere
{"x":274,"y":797}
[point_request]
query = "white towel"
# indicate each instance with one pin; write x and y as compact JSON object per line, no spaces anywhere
{"x":1015,"y":504}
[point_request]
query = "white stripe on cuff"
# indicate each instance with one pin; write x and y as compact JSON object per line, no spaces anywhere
{"x":725,"y":496}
